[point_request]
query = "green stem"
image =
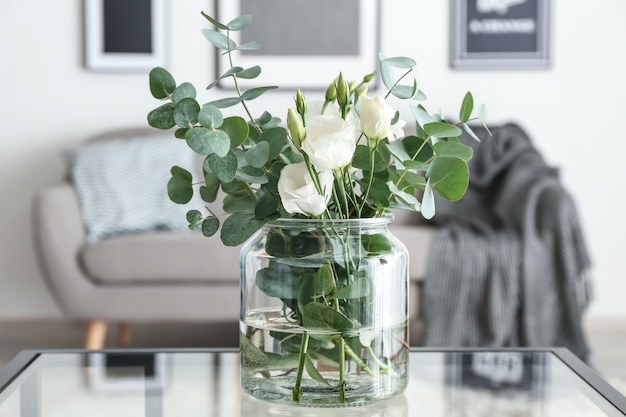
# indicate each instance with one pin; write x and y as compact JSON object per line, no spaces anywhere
{"x":297,"y":390}
{"x":372,"y":153}
{"x":342,"y":192}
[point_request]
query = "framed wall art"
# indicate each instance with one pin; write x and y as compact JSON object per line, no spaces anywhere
{"x":305,"y":43}
{"x":124,"y":35}
{"x":488,"y":34}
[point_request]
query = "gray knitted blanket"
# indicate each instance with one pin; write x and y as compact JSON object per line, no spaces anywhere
{"x":509,"y":266}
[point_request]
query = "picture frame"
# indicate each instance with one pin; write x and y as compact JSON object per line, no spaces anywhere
{"x":124,"y":36}
{"x":500,"y":34}
{"x":292,"y":54}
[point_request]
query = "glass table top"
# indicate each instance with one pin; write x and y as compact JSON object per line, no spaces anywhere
{"x":183,"y":382}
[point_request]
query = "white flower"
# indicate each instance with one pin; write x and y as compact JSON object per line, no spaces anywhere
{"x":376,"y":118}
{"x":298,"y":193}
{"x":330,"y":141}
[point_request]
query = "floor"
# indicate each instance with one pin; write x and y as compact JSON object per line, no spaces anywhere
{"x":606,"y":337}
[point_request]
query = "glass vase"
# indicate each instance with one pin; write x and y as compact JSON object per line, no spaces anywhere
{"x":324,"y":312}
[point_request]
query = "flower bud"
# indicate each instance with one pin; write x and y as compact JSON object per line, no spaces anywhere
{"x":331,"y":93}
{"x":296,"y":128}
{"x":369,"y":77}
{"x":362,"y":92}
{"x":300,"y":103}
{"x":376,"y":118}
{"x":343,"y":91}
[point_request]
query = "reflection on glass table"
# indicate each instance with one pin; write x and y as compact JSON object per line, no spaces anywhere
{"x":181,"y":382}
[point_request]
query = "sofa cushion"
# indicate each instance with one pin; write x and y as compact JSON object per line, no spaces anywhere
{"x":162,"y":258}
{"x":122,"y":184}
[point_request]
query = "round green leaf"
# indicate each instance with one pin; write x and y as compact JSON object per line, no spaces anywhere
{"x":449,"y":177}
{"x":257,"y":154}
{"x":238,"y":228}
{"x":162,"y":84}
{"x":210,"y":226}
{"x":194,"y":217}
{"x":239,"y":22}
{"x":220,"y":142}
{"x":454,"y":149}
{"x":185,"y":90}
{"x":442,"y":130}
{"x":198,"y":139}
{"x":237,"y":129}
{"x":179,"y":187}
{"x":162,"y":117}
{"x":186,"y":112}
{"x":277,"y":139}
{"x":250,"y":73}
{"x":210,"y":116}
{"x":266,"y":206}
{"x":224,"y":168}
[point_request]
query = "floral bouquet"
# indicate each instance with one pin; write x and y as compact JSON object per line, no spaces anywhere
{"x":316,"y":184}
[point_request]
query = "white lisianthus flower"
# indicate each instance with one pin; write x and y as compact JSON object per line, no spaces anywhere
{"x":330,"y":141}
{"x":298,"y":193}
{"x":376,"y":118}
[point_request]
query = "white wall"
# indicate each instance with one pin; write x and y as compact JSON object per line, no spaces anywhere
{"x":574,"y":112}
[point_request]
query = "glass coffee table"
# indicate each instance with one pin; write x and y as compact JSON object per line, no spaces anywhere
{"x":205,"y":382}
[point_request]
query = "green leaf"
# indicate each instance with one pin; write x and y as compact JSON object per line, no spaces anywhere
{"x":470,"y":132}
{"x":248,"y":46}
{"x":186,"y":112}
{"x":313,"y":372}
{"x":194,"y":217}
{"x":466,"y":108}
{"x":422,"y":117}
{"x":408,"y":200}
{"x":208,"y":192}
{"x":428,"y":202}
{"x":224,"y":168}
{"x":256,"y":92}
{"x":250,"y":73}
{"x":358,"y":289}
{"x":238,"y":228}
{"x":449,"y":177}
{"x":210,"y":226}
{"x":162,"y":84}
{"x":442,"y":130}
{"x":405,"y":91}
{"x":220,"y":142}
{"x":258,"y":154}
{"x":266,"y":206}
{"x":239,"y":22}
{"x":400,"y":62}
{"x":376,"y":243}
{"x":417,"y":149}
{"x":185,"y":90}
{"x":233,"y":204}
{"x":215,"y":22}
{"x":179,"y":187}
{"x":482,"y":116}
{"x":198,"y":139}
{"x":279,"y":280}
{"x":219,"y":40}
{"x":237,"y":129}
{"x":222,"y":103}
{"x":162,"y":117}
{"x":210,"y":116}
{"x":277,"y":139}
{"x":361,"y":159}
{"x":323,"y":282}
{"x":454,"y":149}
{"x":320,"y":316}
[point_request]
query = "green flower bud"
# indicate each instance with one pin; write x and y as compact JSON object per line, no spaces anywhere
{"x":343,"y":91}
{"x":331,"y":92}
{"x":296,"y":128}
{"x":362,"y":92}
{"x":369,"y":77}
{"x":300,"y":103}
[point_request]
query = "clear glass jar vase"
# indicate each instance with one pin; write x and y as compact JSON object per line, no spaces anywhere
{"x":324,"y":312}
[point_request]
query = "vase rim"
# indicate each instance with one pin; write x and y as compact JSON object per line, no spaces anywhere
{"x":363,"y":221}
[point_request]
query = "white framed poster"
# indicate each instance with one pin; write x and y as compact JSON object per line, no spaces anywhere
{"x":488,"y":34}
{"x":303,"y":43}
{"x":123,"y":35}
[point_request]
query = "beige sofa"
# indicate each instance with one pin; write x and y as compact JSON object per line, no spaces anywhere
{"x":158,"y":276}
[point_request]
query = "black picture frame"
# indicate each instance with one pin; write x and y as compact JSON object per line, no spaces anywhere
{"x":124,"y":36}
{"x":500,"y":34}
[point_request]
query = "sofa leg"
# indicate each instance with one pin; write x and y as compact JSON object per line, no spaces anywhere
{"x":124,"y":334}
{"x":96,"y":334}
